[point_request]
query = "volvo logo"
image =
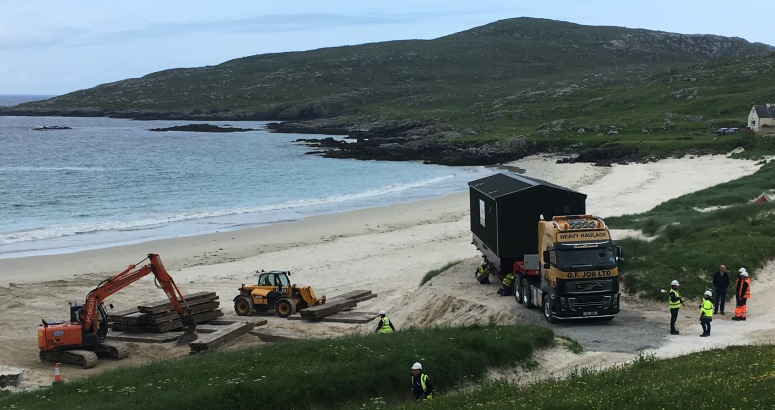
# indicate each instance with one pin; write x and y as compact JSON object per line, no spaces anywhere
{"x":589,"y":287}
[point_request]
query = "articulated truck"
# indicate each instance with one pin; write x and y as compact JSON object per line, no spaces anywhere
{"x":563,"y":260}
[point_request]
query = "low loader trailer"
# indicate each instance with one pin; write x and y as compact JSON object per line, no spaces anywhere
{"x":563,"y":260}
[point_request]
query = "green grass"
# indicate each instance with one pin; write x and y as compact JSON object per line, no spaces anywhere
{"x":436,"y":272}
{"x":736,"y":377}
{"x":305,"y":374}
{"x":692,"y":235}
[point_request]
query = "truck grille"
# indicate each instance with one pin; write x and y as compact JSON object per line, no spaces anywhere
{"x":586,"y":302}
{"x":589,"y":286}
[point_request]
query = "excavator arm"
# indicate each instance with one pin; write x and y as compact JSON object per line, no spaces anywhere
{"x":127,"y":277}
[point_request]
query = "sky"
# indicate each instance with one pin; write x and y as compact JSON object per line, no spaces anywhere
{"x":53,"y":47}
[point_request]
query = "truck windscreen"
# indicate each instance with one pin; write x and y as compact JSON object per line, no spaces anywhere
{"x":586,"y":258}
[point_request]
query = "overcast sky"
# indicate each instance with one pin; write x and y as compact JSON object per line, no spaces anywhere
{"x":52,"y":47}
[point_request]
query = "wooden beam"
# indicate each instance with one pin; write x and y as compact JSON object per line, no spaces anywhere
{"x":218,"y":338}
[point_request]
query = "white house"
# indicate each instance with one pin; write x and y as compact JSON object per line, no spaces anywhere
{"x":762,"y":118}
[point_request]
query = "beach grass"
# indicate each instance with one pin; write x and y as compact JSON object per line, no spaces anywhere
{"x":735,"y":377}
{"x":690,"y":236}
{"x":436,"y":272}
{"x":305,"y":374}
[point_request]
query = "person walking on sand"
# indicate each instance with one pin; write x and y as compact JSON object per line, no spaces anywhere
{"x":721,"y":283}
{"x":675,"y":302}
{"x":422,"y":387}
{"x":742,"y":294}
{"x":706,"y":313}
{"x":384,"y":325}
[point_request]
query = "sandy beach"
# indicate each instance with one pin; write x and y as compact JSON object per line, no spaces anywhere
{"x":384,"y":249}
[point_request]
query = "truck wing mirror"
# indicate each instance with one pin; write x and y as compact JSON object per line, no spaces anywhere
{"x":546,"y":259}
{"x":619,"y":255}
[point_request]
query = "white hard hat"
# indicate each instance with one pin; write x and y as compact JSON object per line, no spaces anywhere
{"x":674,"y":283}
{"x":741,"y":270}
{"x":381,"y":312}
{"x":417,"y":366}
{"x":744,"y":273}
{"x":708,"y":293}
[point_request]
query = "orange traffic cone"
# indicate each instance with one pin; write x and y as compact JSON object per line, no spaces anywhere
{"x":57,"y":375}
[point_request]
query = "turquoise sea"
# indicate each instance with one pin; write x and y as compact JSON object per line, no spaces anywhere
{"x":106,"y":182}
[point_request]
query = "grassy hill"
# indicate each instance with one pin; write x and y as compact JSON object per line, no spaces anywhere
{"x":552,"y":83}
{"x":410,"y":78}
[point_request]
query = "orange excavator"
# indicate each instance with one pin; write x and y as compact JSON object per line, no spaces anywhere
{"x":78,"y":341}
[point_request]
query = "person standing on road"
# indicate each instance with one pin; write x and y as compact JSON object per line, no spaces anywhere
{"x":384,"y":325}
{"x":706,"y":313}
{"x":422,"y":387}
{"x":674,"y":302}
{"x":742,"y":294}
{"x":721,"y":283}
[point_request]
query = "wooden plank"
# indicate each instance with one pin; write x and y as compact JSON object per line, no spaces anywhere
{"x":165,"y":305}
{"x":316,"y":312}
{"x":349,"y":295}
{"x":209,"y":327}
{"x":178,"y":324}
{"x":169,"y":316}
{"x":145,"y":337}
{"x":216,"y":339}
{"x":268,"y":334}
{"x":351,"y":317}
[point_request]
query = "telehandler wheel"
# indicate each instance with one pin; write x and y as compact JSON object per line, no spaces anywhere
{"x":548,"y":310}
{"x":242,"y":306}
{"x":524,"y":291}
{"x":284,"y":308}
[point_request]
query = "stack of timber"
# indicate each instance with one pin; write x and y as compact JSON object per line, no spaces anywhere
{"x":337,"y":304}
{"x":160,"y":316}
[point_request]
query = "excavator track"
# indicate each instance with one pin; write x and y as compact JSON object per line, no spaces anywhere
{"x":116,"y":350}
{"x":79,"y":358}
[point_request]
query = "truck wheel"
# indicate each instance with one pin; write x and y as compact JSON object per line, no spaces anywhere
{"x":548,"y":310}
{"x":242,"y":306}
{"x":524,"y":290}
{"x":517,"y":291}
{"x":283,"y":308}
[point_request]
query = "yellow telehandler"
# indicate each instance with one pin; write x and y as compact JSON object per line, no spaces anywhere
{"x":274,"y":291}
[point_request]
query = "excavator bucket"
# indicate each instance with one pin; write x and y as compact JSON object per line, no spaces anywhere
{"x":189,"y":335}
{"x":189,"y":332}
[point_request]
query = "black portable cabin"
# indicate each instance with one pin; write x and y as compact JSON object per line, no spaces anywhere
{"x":505,"y":209}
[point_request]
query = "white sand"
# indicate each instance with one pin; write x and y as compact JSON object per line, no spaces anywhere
{"x":387,"y":250}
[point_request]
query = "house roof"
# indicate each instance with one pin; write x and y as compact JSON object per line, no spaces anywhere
{"x":506,"y":183}
{"x":763,"y":111}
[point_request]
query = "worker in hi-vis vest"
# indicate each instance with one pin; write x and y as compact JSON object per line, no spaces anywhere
{"x":675,"y":302}
{"x":742,"y":294}
{"x":384,"y":325}
{"x":422,"y":387}
{"x":706,"y":313}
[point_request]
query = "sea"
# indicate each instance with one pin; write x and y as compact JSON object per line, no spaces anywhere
{"x":105,"y":182}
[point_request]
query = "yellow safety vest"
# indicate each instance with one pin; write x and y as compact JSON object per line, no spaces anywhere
{"x":707,"y":308}
{"x":423,"y":378}
{"x":508,"y":279}
{"x":385,"y":325}
{"x":677,"y":302}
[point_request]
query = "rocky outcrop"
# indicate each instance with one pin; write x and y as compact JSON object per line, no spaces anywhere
{"x":202,"y":128}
